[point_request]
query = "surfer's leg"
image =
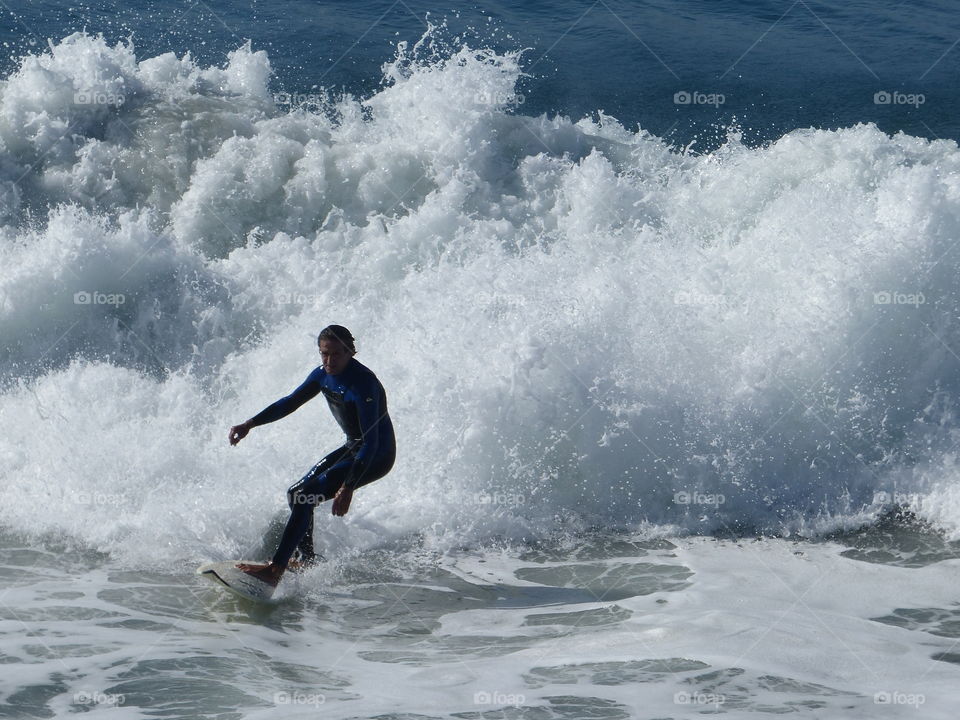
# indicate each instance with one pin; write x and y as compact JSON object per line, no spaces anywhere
{"x":376,"y":469}
{"x":316,"y":488}
{"x":304,"y":498}
{"x":294,"y":493}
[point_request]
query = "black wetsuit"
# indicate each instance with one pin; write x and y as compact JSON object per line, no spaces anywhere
{"x":359,"y":405}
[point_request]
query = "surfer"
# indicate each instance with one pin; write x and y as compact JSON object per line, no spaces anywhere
{"x":359,"y":405}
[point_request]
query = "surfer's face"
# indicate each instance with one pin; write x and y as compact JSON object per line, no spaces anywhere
{"x":334,"y":355}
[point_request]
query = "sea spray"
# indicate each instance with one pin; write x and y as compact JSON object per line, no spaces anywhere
{"x":576,"y":323}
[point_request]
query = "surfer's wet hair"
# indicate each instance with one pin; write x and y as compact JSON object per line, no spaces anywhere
{"x":340,"y":334}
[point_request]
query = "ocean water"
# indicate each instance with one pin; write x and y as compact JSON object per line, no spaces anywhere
{"x":663,"y":298}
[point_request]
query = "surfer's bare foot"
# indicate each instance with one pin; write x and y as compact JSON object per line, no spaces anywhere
{"x":269,"y":574}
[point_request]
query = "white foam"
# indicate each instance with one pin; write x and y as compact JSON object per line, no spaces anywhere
{"x":574,"y":322}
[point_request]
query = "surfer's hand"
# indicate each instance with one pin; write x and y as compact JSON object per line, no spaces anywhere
{"x":341,"y":501}
{"x":238,"y":433}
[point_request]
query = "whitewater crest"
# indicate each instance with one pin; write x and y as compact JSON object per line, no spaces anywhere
{"x":576,"y":322}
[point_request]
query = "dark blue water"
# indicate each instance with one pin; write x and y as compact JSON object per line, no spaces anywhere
{"x":767,"y":66}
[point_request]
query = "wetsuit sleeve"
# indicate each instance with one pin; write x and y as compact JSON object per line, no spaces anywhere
{"x":284,"y":406}
{"x":369,"y":412}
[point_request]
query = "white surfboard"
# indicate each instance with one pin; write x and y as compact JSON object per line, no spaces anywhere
{"x":228,"y":575}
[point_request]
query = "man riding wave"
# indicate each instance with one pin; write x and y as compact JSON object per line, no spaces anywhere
{"x":359,"y":405}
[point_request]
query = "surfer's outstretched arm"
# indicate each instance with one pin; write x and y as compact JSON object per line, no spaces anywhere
{"x":280,"y":409}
